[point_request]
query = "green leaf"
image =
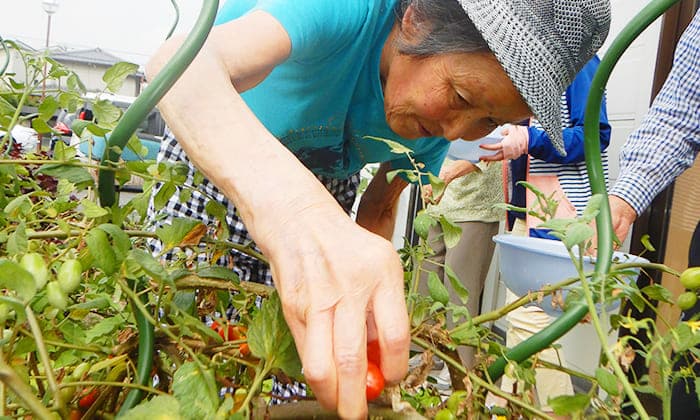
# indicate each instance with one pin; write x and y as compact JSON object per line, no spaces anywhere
{"x":134,"y":144}
{"x":559,"y":225}
{"x":451,"y":232}
{"x":73,"y":174}
{"x":217,"y":272}
{"x":17,"y":243}
{"x":166,"y":191}
{"x":457,"y":285}
{"x":437,"y":289}
{"x":269,"y":338}
{"x":162,"y":407}
{"x":104,"y":328}
{"x":196,"y":390}
{"x":106,"y":112}
{"x":569,"y":404}
{"x":150,"y":265}
{"x":395,"y":146}
{"x":17,"y":279}
{"x":6,"y":107}
{"x":101,"y":250}
{"x":593,"y":207}
{"x":646,"y":241}
{"x":437,"y":184}
{"x":120,"y":240}
{"x":75,"y":84}
{"x":171,"y":235}
{"x":607,"y":381}
{"x":577,"y":233}
{"x":658,"y":292}
{"x":47,"y":108}
{"x":19,"y":207}
{"x":422,"y":224}
{"x":92,"y":210}
{"x":114,"y":76}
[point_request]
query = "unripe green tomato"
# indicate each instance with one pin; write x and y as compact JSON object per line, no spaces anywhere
{"x":36,"y":266}
{"x":445,"y":414}
{"x":69,"y":275}
{"x":687,"y":300}
{"x":80,"y":370}
{"x":690,"y":278}
{"x":453,"y":401}
{"x":56,"y":296}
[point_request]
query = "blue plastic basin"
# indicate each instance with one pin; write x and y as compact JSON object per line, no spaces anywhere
{"x":527,"y":264}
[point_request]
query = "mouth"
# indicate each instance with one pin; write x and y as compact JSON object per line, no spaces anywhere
{"x":424,"y":132}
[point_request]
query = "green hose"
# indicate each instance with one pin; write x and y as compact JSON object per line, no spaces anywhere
{"x":117,"y":141}
{"x":151,"y":95}
{"x":575,"y":313}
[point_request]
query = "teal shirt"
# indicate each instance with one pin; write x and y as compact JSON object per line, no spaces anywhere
{"x":327,"y":96}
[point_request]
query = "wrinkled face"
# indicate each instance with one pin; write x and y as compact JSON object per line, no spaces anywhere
{"x":461,"y":95}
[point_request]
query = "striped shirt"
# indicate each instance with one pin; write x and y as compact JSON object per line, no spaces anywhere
{"x":573,"y":177}
{"x":668,"y":140}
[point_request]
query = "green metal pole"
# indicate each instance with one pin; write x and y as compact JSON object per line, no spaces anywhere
{"x":575,"y":313}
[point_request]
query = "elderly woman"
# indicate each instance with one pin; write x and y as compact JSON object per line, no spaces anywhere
{"x":275,"y":111}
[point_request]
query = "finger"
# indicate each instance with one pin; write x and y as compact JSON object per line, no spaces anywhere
{"x":350,"y":347}
{"x":391,"y":317}
{"x":492,"y":158}
{"x":492,"y":146}
{"x":319,"y":367}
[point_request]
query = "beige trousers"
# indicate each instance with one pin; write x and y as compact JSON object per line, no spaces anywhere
{"x":470,"y":259}
{"x":522,"y":324}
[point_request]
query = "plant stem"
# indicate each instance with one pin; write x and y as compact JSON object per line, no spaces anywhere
{"x":515,"y":401}
{"x":499,"y":313}
{"x":114,"y":384}
{"x":445,"y":358}
{"x":9,"y":377}
{"x":603,"y":338}
{"x":261,"y":372}
{"x":45,"y":359}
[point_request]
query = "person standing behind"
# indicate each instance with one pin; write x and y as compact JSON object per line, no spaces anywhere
{"x":472,"y":190}
{"x":661,"y":149}
{"x":535,"y":160}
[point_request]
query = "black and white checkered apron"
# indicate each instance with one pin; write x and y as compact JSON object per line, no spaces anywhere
{"x":246,"y":267}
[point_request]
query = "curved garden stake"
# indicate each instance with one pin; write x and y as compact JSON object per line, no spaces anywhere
{"x":116,"y":143}
{"x":575,"y":313}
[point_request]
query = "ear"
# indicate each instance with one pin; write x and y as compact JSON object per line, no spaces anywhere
{"x":409,"y":26}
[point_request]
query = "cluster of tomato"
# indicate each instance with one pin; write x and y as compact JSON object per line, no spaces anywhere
{"x":67,"y":278}
{"x":233,"y":332}
{"x":690,"y":279}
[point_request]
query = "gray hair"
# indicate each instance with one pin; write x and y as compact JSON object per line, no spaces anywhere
{"x":443,"y":28}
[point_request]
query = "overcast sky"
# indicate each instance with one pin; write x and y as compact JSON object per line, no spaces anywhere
{"x":129,"y":29}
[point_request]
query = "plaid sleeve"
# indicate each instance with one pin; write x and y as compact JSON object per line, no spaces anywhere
{"x":668,"y":140}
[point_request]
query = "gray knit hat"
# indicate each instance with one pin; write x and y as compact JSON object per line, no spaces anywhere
{"x":542,"y":44}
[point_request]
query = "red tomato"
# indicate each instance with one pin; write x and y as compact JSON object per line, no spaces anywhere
{"x":375,"y":381}
{"x":244,"y":349}
{"x":373,"y":352}
{"x":89,"y":399}
{"x":75,"y":415}
{"x":228,"y":332}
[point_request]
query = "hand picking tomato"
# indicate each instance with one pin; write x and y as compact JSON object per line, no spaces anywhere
{"x":375,"y":381}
